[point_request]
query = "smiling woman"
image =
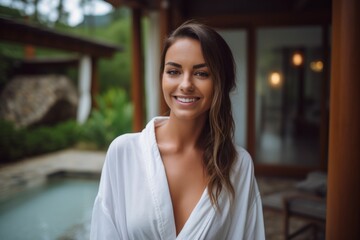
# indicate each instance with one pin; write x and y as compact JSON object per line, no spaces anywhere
{"x":183,"y":177}
{"x":186,"y":81}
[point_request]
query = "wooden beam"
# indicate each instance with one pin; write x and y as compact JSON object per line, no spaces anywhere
{"x":292,"y":171}
{"x":127,"y":3}
{"x":45,"y":65}
{"x":343,"y":208}
{"x":268,"y":19}
{"x":164,"y":32}
{"x":324,"y":109}
{"x":114,"y":3}
{"x":251,"y":73}
{"x":137,"y":71}
{"x":94,"y":81}
{"x":19,"y":32}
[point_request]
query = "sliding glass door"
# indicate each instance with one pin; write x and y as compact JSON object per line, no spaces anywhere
{"x":289,"y":96}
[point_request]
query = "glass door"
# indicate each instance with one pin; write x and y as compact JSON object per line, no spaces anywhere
{"x":288,"y":99}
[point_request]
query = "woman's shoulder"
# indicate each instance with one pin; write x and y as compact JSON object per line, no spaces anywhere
{"x":139,"y":140}
{"x":243,"y":166}
{"x":243,"y":158}
{"x":123,"y":149}
{"x":124,"y":141}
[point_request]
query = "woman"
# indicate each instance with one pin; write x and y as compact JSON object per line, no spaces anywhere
{"x":182,"y":177}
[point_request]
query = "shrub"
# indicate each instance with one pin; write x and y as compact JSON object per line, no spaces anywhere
{"x":16,"y":143}
{"x":112,"y":118}
{"x":10,"y":141}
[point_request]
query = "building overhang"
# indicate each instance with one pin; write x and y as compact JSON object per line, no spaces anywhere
{"x":24,"y":33}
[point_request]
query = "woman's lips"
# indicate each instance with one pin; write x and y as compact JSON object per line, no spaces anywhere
{"x":187,"y":99}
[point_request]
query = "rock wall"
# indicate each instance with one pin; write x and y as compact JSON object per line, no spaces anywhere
{"x":38,"y":99}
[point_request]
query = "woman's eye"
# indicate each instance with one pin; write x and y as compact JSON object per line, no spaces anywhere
{"x":202,"y":74}
{"x":172,"y":72}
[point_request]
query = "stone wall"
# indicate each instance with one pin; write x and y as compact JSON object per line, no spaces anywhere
{"x":38,"y":99}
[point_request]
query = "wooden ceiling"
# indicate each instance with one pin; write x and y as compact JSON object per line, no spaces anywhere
{"x":209,"y":7}
{"x":239,"y":13}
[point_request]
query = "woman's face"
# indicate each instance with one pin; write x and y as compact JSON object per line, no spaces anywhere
{"x":186,"y":81}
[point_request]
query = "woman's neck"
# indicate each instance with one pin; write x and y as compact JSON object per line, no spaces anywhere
{"x":181,"y":134}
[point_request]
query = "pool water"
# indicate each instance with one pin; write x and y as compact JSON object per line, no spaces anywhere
{"x":59,"y":209}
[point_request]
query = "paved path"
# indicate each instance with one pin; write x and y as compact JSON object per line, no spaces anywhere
{"x":34,"y":171}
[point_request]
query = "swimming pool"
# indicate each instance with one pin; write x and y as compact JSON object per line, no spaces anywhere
{"x":60,"y":209}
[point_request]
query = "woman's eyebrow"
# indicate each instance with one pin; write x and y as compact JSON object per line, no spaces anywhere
{"x":197,"y":66}
{"x":173,"y":64}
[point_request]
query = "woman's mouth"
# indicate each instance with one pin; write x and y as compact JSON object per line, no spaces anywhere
{"x":187,"y":99}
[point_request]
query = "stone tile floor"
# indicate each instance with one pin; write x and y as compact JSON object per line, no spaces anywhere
{"x":274,"y":220}
{"x":32,"y":171}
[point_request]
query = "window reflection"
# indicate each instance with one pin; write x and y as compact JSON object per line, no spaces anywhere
{"x":288,"y":95}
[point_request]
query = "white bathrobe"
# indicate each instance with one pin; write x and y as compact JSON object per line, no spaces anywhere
{"x":134,"y":200}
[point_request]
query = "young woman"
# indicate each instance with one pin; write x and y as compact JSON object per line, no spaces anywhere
{"x":183,"y":177}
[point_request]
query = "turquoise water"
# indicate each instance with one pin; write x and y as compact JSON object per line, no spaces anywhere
{"x":60,"y":209}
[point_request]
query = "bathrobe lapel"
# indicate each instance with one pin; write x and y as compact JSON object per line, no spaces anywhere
{"x":198,"y":221}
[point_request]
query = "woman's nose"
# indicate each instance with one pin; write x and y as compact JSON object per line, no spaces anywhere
{"x":186,"y":84}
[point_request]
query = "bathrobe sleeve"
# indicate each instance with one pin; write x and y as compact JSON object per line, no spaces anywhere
{"x":255,"y":223}
{"x":104,"y":224}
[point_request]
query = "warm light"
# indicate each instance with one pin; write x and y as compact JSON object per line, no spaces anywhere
{"x":297,"y":59}
{"x":275,"y":79}
{"x":317,"y":66}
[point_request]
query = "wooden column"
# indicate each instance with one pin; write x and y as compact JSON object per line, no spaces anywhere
{"x":324,"y":108}
{"x":251,"y":75}
{"x":29,"y":49}
{"x":343,"y":208}
{"x":137,"y":83}
{"x":164,"y":32}
{"x":94,"y":81}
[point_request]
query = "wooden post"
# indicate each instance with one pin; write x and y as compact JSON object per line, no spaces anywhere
{"x":94,"y":81}
{"x":29,"y":49}
{"x":324,"y":109}
{"x":251,"y":72}
{"x":137,"y":90}
{"x":164,"y":31}
{"x":343,"y":208}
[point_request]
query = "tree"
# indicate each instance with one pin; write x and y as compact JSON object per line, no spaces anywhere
{"x":61,"y":13}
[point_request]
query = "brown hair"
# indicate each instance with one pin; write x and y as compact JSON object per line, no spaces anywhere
{"x":217,"y":135}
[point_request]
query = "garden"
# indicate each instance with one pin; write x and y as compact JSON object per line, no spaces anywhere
{"x":112,"y":115}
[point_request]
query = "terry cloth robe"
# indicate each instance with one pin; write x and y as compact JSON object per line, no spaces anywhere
{"x":134,"y":200}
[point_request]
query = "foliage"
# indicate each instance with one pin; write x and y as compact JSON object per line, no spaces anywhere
{"x":112,"y":118}
{"x":10,"y":12}
{"x":4,"y":70}
{"x":113,"y":72}
{"x":114,"y":113}
{"x":18,"y":143}
{"x":55,"y":11}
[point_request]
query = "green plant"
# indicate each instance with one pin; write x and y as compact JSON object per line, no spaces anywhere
{"x":112,"y":118}
{"x":16,"y":143}
{"x":10,"y":141}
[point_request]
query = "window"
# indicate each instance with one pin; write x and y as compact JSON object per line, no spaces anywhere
{"x":289,"y":82}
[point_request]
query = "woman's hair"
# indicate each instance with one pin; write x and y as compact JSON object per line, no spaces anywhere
{"x":217,"y":135}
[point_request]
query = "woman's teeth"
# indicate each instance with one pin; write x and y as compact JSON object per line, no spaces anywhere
{"x":186,"y":100}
